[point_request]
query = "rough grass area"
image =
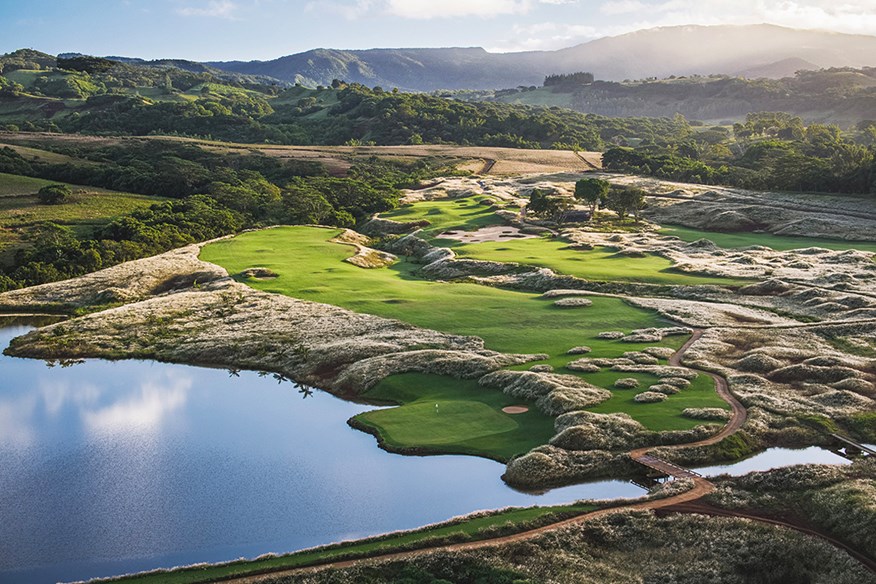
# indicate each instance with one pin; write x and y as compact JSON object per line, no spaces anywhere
{"x":468,"y":418}
{"x":468,"y":213}
{"x":601,"y":264}
{"x":471,"y":529}
{"x":311,"y":268}
{"x":15,"y":185}
{"x":659,"y":416}
{"x":776,"y":242}
{"x":88,"y":204}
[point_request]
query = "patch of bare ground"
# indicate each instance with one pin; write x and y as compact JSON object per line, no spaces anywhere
{"x":495,"y":233}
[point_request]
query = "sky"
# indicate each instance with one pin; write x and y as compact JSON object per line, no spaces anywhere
{"x":212,"y":30}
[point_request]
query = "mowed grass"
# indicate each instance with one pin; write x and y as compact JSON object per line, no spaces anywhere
{"x":312,"y":268}
{"x":468,"y":418}
{"x":776,"y":242}
{"x":601,"y":264}
{"x":473,"y":529}
{"x":469,"y":213}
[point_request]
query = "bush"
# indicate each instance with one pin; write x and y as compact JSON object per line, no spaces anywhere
{"x":54,"y":194}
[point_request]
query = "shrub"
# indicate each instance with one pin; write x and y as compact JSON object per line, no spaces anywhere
{"x":649,"y":397}
{"x":627,"y":383}
{"x":54,"y":194}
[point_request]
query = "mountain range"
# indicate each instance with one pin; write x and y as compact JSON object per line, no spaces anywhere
{"x":747,"y":50}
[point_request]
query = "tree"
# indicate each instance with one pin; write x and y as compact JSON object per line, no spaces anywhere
{"x":592,"y":191}
{"x":54,"y":194}
{"x":626,"y":201}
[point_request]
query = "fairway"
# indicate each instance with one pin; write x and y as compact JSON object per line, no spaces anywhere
{"x":469,"y":213}
{"x":468,"y":418}
{"x":776,"y":242}
{"x":601,"y":264}
{"x":312,"y":268}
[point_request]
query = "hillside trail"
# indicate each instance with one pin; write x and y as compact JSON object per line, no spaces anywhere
{"x":686,"y":502}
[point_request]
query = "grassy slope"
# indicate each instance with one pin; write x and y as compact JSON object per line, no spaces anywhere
{"x":471,"y":529}
{"x":665,"y":415}
{"x":776,"y":242}
{"x":89,"y":205}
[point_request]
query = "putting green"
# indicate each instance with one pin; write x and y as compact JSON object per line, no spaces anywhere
{"x":468,"y":419}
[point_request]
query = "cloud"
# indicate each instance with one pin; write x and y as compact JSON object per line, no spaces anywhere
{"x":213,"y":8}
{"x":548,"y":36}
{"x":142,"y":411}
{"x":617,"y":7}
{"x":429,"y":9}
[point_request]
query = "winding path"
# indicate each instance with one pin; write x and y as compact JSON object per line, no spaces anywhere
{"x":686,"y":502}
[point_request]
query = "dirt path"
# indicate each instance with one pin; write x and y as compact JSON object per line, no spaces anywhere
{"x":687,"y":502}
{"x":701,"y":508}
{"x":587,"y":162}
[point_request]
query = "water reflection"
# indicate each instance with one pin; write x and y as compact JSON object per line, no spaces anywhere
{"x":111,"y":467}
{"x":775,"y":458}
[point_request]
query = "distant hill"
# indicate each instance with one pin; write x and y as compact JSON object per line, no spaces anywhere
{"x":840,"y":95}
{"x":750,"y":50}
{"x":779,"y":69}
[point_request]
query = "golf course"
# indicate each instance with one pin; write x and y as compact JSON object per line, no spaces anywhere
{"x":443,"y":414}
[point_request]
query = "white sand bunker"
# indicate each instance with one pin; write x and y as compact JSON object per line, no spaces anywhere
{"x":494,"y":233}
{"x":515,"y":409}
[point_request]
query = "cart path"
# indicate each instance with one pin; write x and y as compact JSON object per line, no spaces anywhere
{"x":686,"y":502}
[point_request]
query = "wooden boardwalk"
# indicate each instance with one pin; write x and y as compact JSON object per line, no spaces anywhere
{"x":853,"y":444}
{"x":666,"y":468}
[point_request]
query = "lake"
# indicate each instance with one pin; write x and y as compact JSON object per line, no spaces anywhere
{"x":113,"y":467}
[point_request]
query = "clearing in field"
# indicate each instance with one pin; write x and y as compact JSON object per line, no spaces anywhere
{"x":310,"y":267}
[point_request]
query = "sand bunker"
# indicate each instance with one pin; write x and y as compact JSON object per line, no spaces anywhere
{"x":495,"y":233}
{"x":515,"y":409}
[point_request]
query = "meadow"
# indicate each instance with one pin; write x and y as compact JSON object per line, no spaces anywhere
{"x":88,"y":208}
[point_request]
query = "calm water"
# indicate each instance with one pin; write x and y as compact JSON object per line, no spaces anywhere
{"x":775,"y":458}
{"x":108,"y":468}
